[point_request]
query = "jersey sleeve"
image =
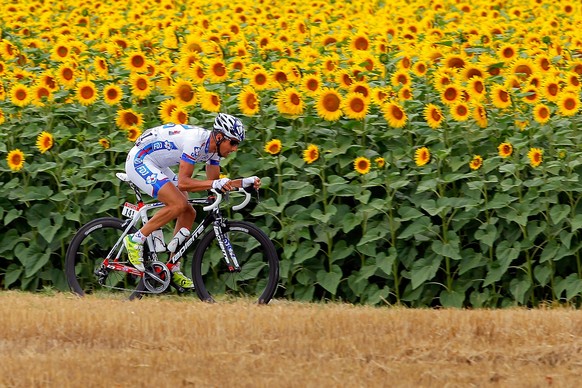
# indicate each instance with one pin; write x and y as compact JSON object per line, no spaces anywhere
{"x":214,"y":161}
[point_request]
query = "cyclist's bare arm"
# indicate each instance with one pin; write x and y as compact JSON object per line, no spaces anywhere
{"x":187,"y":183}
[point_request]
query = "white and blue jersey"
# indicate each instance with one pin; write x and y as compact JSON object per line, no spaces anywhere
{"x":149,"y":162}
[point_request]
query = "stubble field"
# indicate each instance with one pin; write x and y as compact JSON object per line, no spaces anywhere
{"x":63,"y":341}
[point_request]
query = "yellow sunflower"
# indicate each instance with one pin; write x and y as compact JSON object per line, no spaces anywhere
{"x":355,"y":106}
{"x":217,"y":71}
{"x":133,"y":133}
{"x":210,"y":101}
{"x":421,"y":156}
{"x":329,"y":103}
{"x":197,"y":73}
{"x":380,"y":162}
{"x":259,"y":79}
{"x":476,"y":162}
{"x":476,"y":88}
{"x":141,"y":86}
{"x":86,"y":93}
{"x":523,"y":68}
{"x":400,"y":77}
{"x":290,"y":102}
{"x":136,"y":61}
{"x":105,"y":143}
{"x":433,"y":115}
{"x":480,"y":115}
{"x":60,"y":52}
{"x":112,"y":94}
{"x":360,"y":42}
{"x":15,"y":160}
{"x":166,"y":108}
{"x":535,"y":156}
{"x":460,"y":111}
{"x":451,"y":94}
{"x":311,"y":154}
{"x":2,"y":117}
{"x":248,"y":101}
{"x":500,"y":97}
{"x":311,"y":84}
{"x":541,"y":113}
{"x":531,"y":95}
{"x":362,"y":165}
{"x":568,"y":103}
{"x":101,"y":66}
{"x":41,"y":94}
{"x":66,"y":75}
{"x":273,"y":147}
{"x":505,"y":149}
{"x":551,"y":88}
{"x":507,"y":52}
{"x":44,"y":142}
{"x":184,"y":92}
{"x":394,"y":114}
{"x":128,"y":118}
{"x":20,"y":95}
{"x":179,"y":115}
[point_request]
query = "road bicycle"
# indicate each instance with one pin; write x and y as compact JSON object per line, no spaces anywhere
{"x":232,"y":258}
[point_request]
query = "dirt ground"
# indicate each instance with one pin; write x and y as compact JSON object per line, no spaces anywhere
{"x":60,"y":340}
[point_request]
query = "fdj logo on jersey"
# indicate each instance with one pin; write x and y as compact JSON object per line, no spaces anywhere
{"x":145,"y":173}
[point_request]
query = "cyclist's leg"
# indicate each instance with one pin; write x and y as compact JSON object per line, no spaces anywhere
{"x":186,"y":218}
{"x":177,"y":207}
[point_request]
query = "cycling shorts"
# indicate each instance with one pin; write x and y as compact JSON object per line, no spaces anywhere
{"x":146,"y":174}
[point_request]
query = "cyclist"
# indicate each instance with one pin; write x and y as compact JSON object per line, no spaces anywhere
{"x":148,"y":166}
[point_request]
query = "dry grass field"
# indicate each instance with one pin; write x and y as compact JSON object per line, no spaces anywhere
{"x":63,"y":341}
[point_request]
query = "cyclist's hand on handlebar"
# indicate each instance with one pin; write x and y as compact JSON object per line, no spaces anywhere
{"x":251,"y":181}
{"x":222,"y":185}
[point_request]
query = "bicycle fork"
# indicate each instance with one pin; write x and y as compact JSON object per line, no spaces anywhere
{"x":226,"y":247}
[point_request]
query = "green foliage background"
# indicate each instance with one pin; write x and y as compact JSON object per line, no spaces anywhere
{"x":441,"y":234}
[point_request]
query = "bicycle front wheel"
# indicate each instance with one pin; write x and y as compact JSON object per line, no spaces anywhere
{"x":86,"y":253}
{"x":256,"y":255}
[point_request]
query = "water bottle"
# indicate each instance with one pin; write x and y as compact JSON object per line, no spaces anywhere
{"x":159,"y":244}
{"x":178,"y":239}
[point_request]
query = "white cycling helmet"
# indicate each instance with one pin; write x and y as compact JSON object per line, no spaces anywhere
{"x":229,"y":126}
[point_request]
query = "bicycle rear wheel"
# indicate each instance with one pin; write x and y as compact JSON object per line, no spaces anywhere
{"x":256,"y":256}
{"x":85,"y":255}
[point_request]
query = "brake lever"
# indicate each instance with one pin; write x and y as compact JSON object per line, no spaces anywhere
{"x":250,"y":190}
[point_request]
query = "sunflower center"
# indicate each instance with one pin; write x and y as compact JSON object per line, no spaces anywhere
{"x":361,"y":43}
{"x":186,"y":93}
{"x":62,"y":51}
{"x":451,"y":94}
{"x":569,"y":104}
{"x":219,"y":69}
{"x":312,"y":85}
{"x":87,"y":92}
{"x":137,"y":61}
{"x":260,"y":79}
{"x":20,"y":95}
{"x":295,"y":99}
{"x":357,"y":105}
{"x":251,"y":101}
{"x":331,"y":102}
{"x":553,"y":89}
{"x":397,"y":113}
{"x":67,"y":74}
{"x":142,"y":84}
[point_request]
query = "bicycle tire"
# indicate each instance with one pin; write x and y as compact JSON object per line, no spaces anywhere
{"x":257,"y":256}
{"x":86,"y":251}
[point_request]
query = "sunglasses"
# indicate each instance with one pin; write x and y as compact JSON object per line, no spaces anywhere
{"x":233,"y":142}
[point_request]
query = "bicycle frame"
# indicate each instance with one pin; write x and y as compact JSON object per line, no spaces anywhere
{"x":213,"y":217}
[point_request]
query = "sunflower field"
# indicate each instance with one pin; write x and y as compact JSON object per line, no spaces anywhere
{"x":422,"y":153}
